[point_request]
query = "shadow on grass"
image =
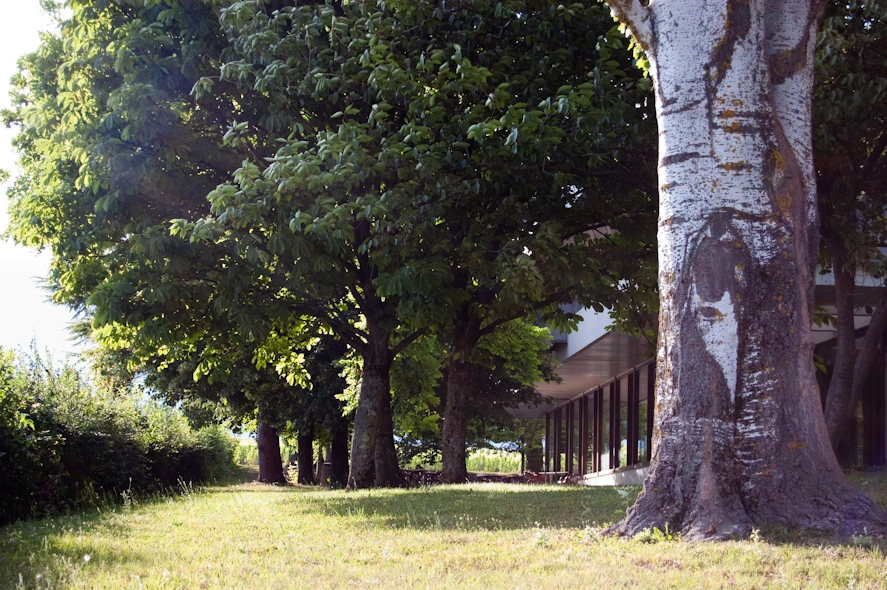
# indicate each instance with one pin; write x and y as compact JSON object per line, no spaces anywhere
{"x":872,"y":481}
{"x":832,"y":545}
{"x":477,"y":506}
{"x":239,"y":475}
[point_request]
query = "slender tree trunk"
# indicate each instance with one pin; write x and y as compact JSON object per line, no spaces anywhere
{"x":318,"y":466}
{"x":871,"y":343}
{"x":270,"y":462}
{"x":339,"y":455}
{"x":455,"y":423}
{"x":373,"y":456}
{"x":841,"y":381}
{"x":306,"y":457}
{"x":841,"y":408}
{"x":739,"y":437}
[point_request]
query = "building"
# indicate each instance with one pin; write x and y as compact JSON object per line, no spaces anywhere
{"x":599,"y":425}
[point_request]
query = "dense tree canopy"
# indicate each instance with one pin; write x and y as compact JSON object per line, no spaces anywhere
{"x":433,"y":172}
{"x":113,"y":147}
{"x":391,"y":170}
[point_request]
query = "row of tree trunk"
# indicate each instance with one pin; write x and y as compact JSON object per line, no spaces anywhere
{"x":331,"y":468}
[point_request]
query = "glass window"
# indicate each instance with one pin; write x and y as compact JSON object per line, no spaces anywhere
{"x":605,"y":427}
{"x":591,"y":449}
{"x":624,"y":432}
{"x":577,"y":435}
{"x":643,"y":382}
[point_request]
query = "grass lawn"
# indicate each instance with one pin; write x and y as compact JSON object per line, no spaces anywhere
{"x":469,"y":536}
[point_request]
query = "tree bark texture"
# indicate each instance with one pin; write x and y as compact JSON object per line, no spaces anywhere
{"x":739,"y":437}
{"x":270,"y":462}
{"x":373,"y":456}
{"x":305,"y":443}
{"x":387,"y":466}
{"x":455,"y":423}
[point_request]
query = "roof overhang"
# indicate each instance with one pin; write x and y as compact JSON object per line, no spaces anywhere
{"x":610,"y":355}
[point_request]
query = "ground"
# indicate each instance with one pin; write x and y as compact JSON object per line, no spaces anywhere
{"x":479,"y":535}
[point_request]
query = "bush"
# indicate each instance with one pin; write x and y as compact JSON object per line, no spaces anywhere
{"x":216,"y":446}
{"x":493,"y":461}
{"x":65,"y":442}
{"x":29,"y":457}
{"x":478,"y":461}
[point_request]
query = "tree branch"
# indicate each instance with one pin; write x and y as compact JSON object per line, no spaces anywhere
{"x":553,"y":298}
{"x":400,"y":346}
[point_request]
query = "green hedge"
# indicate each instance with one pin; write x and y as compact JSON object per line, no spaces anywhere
{"x":65,"y":442}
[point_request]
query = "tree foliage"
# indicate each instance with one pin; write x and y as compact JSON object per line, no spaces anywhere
{"x":850,"y":110}
{"x":114,"y":145}
{"x":389,"y":170}
{"x":432,"y":170}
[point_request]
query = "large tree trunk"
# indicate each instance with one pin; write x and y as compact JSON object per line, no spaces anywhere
{"x":306,"y":457}
{"x":455,"y":423}
{"x":466,"y":334}
{"x":373,"y":456}
{"x":388,"y":471}
{"x":739,"y":436}
{"x":270,"y":462}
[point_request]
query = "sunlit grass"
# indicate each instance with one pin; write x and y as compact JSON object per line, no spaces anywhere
{"x":468,"y":536}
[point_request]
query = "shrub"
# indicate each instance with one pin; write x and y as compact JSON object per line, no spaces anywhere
{"x":29,"y":455}
{"x":478,"y":461}
{"x":65,"y":442}
{"x":216,"y":446}
{"x":247,"y":452}
{"x":493,"y":461}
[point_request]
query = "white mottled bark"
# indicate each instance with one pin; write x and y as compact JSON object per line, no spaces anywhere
{"x":739,"y":435}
